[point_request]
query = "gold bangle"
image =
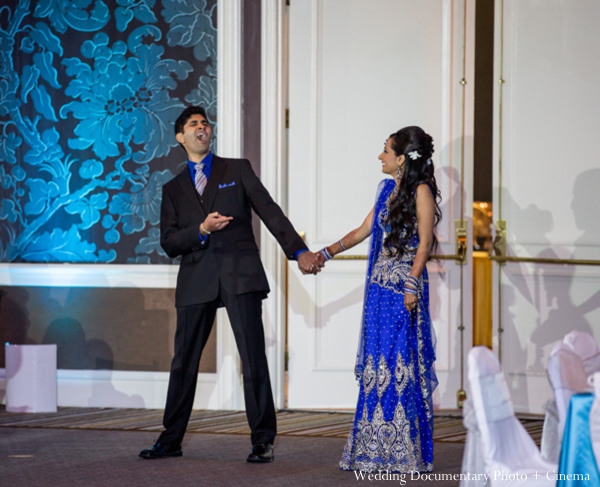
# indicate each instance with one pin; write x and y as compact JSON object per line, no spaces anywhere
{"x":202,"y":229}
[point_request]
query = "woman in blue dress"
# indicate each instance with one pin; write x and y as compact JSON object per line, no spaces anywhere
{"x":393,"y":424}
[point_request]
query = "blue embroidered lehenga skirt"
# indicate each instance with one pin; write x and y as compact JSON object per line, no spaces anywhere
{"x":393,"y":425}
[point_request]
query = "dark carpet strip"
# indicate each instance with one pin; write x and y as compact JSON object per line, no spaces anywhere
{"x":448,"y":427}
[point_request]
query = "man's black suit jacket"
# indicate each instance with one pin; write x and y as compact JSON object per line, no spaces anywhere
{"x":229,"y":256}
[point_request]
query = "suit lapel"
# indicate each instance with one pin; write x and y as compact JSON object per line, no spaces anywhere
{"x":189,"y":190}
{"x":216,"y":174}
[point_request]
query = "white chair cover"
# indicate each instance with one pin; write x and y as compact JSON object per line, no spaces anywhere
{"x":595,"y":418}
{"x":567,"y":376}
{"x":550,"y":447}
{"x":472,"y":455}
{"x":591,"y":364}
{"x":583,"y":344}
{"x":510,"y":455}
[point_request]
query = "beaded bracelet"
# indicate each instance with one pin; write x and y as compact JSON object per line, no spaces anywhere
{"x":342,"y":245}
{"x":409,"y":288}
{"x":206,"y":232}
{"x":411,"y":285}
{"x":325,"y":254}
{"x":413,"y":280}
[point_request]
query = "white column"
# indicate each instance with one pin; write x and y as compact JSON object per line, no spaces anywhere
{"x":273,"y":175}
{"x":229,"y":144}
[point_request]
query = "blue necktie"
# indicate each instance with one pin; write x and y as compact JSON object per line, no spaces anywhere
{"x":200,"y":179}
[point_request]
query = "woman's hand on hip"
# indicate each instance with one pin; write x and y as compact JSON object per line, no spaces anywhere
{"x":410,"y":301}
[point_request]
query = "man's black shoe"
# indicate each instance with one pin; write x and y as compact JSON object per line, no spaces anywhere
{"x":262,"y":453}
{"x":161,"y":450}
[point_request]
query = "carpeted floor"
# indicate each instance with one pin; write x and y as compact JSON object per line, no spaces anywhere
{"x":289,"y":423}
{"x":448,"y":424}
{"x":99,"y":447}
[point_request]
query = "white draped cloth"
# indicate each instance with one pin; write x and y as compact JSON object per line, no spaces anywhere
{"x":511,"y":458}
{"x":584,"y":345}
{"x":473,"y":455}
{"x":569,"y":365}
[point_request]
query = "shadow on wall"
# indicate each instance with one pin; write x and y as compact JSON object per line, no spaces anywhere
{"x":74,"y":351}
{"x":99,"y":328}
{"x":14,"y":319}
{"x":571,"y":308}
{"x":563,"y":299}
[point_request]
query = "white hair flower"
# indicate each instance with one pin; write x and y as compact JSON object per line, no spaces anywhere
{"x":414,"y":155}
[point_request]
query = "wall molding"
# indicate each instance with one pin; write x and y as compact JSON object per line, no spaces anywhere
{"x":121,"y":389}
{"x":89,"y":275}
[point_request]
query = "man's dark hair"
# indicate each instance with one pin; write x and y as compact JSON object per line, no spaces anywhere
{"x":186,"y":115}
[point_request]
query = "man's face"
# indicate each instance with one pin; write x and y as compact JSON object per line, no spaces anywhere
{"x":195,"y":137}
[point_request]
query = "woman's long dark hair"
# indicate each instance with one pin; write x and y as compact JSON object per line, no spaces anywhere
{"x":417,"y":170}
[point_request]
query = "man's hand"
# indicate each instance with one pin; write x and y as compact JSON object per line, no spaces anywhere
{"x":308,"y":263}
{"x":214,"y":222}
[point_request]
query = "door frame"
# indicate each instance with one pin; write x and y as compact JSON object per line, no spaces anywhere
{"x":273,"y":171}
{"x":273,"y":175}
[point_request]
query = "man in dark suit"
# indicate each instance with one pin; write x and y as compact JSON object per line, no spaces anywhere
{"x":206,"y":219}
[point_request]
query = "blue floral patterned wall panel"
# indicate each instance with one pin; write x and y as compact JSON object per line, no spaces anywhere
{"x":89,"y":91}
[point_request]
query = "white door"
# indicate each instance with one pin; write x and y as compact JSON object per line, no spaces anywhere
{"x":359,"y":71}
{"x":547,"y":184}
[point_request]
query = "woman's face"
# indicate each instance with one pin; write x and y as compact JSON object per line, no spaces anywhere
{"x":390,"y":162}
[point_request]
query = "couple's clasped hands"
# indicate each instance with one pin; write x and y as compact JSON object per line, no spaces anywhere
{"x":310,"y":262}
